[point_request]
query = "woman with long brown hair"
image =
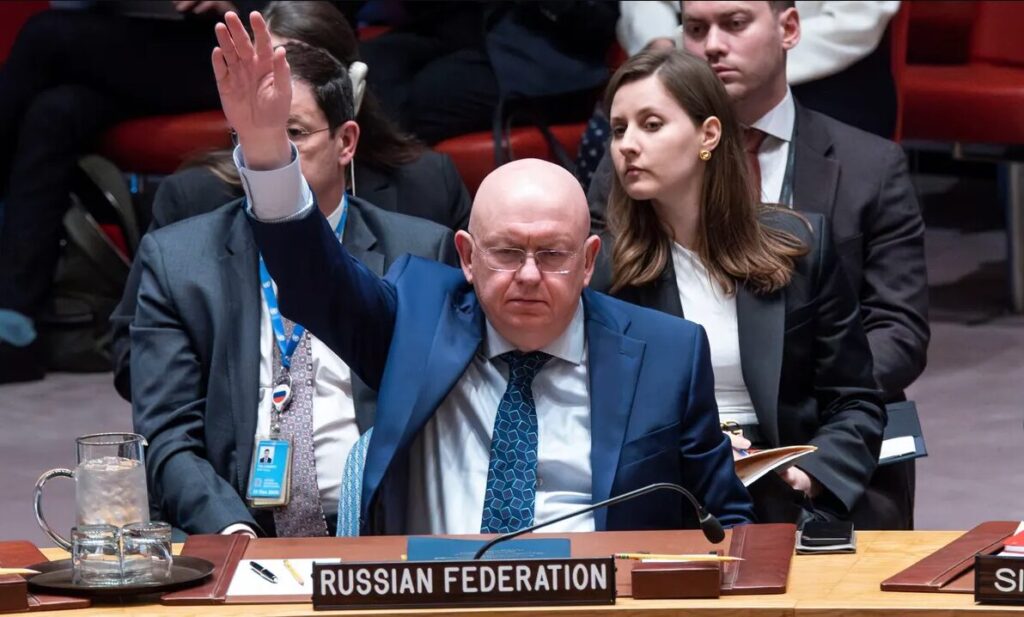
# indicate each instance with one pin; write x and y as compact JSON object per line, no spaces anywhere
{"x":688,"y":236}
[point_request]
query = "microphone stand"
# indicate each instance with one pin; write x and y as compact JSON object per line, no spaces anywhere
{"x":708,"y":523}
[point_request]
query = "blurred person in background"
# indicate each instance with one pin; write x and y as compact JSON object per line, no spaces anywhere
{"x":447,"y":67}
{"x":70,"y":75}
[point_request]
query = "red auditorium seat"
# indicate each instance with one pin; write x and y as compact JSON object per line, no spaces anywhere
{"x":980,"y":101}
{"x":473,"y":153}
{"x":15,"y":14}
{"x":159,"y":144}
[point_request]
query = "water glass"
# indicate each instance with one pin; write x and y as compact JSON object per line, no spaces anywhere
{"x":147,"y":552}
{"x":96,"y":555}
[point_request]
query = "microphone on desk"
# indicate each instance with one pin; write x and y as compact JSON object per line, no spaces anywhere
{"x":708,"y":523}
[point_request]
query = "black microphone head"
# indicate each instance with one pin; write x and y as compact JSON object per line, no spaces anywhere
{"x":711,"y":527}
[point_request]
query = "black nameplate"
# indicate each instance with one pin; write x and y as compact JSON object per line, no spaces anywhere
{"x":998,"y":580}
{"x":437,"y":584}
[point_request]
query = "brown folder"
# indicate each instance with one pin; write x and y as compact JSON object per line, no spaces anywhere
{"x":767,"y":551}
{"x":950,"y":569}
{"x":14,"y":594}
{"x":224,"y":552}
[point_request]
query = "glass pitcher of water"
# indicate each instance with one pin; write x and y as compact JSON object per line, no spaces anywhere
{"x":110,"y":483}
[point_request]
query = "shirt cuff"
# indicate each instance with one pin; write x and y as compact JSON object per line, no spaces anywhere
{"x":237,"y":528}
{"x":275,"y":195}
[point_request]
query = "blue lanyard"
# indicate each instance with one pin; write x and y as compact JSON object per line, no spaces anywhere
{"x":289,"y":344}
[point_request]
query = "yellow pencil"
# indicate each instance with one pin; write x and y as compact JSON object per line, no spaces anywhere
{"x":17,"y":571}
{"x":664,"y":557}
{"x":295,"y":573}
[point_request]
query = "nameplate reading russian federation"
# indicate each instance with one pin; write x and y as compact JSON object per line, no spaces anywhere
{"x":998,"y":580}
{"x":436,"y":584}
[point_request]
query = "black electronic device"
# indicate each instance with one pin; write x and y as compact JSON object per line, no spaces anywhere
{"x":826,"y":537}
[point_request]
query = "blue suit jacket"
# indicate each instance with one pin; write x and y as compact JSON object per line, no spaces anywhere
{"x":412,"y":335}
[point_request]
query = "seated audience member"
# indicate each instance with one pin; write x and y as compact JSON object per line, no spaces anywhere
{"x":444,"y":70}
{"x":605,"y":396}
{"x":208,"y":347}
{"x":791,"y":362}
{"x":70,"y":75}
{"x":857,"y":180}
{"x":393,"y":171}
{"x":842,"y":67}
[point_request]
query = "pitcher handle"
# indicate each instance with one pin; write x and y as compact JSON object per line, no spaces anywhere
{"x":38,"y":505}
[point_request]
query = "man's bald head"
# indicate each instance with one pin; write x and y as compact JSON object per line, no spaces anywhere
{"x":530,"y":190}
{"x":535,"y":210}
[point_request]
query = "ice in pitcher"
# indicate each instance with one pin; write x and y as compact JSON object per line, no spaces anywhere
{"x":111,"y":490}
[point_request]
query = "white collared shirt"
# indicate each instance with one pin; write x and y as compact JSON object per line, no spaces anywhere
{"x":706,"y":303}
{"x":449,"y":459}
{"x":778,"y":124}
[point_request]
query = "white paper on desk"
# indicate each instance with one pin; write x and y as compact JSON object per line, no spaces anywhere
{"x":247,"y":583}
{"x":897,"y":446}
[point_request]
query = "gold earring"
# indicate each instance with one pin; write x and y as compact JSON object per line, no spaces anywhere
{"x":704,"y":155}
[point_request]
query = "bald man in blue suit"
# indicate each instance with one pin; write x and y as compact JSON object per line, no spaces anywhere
{"x":508,"y":393}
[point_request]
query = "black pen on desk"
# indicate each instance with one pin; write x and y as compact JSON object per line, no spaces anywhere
{"x":264,"y":573}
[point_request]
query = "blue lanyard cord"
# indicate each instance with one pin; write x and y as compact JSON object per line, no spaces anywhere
{"x":288,"y":344}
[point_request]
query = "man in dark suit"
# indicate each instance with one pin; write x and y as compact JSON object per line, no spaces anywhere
{"x":205,"y":364}
{"x":857,"y":180}
{"x":507,"y":393}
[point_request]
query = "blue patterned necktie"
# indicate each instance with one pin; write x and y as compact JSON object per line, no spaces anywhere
{"x":512,"y":472}
{"x":351,"y":499}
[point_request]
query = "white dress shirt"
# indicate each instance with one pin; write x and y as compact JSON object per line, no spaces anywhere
{"x":446,"y":488}
{"x":642,"y":21}
{"x":449,"y":459}
{"x":774,"y":153}
{"x":704,"y":302}
{"x":836,"y":34}
{"x":334,"y":423}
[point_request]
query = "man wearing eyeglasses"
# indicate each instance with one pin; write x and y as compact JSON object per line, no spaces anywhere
{"x":210,"y":376}
{"x":508,"y":394}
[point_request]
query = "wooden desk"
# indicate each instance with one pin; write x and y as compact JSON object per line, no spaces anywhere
{"x":819,"y":586}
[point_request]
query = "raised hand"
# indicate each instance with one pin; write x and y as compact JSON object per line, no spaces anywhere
{"x":255,"y":87}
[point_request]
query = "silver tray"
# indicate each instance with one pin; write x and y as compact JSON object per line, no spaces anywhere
{"x":55,"y":577}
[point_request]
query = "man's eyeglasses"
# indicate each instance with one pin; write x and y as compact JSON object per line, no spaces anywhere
{"x":508,"y":259}
{"x":296,"y":134}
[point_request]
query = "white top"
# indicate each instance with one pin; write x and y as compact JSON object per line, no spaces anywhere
{"x":778,"y":124}
{"x":449,"y":460}
{"x":446,"y":494}
{"x":835,"y":35}
{"x":642,"y":21}
{"x":705,"y":303}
